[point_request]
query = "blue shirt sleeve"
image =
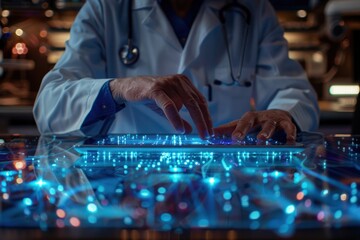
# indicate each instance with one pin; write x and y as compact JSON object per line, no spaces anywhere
{"x":104,"y":106}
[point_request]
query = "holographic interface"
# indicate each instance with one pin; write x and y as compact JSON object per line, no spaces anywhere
{"x":55,"y":182}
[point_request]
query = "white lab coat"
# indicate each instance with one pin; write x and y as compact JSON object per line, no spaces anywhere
{"x":68,"y":92}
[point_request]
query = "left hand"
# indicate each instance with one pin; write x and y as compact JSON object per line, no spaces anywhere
{"x":269,"y":121}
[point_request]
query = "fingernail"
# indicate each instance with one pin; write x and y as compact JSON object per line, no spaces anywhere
{"x":212,"y":132}
{"x":265,"y":135}
{"x":181,"y":130}
{"x":237,"y":137}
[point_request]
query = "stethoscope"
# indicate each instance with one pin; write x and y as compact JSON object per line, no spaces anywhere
{"x":129,"y":53}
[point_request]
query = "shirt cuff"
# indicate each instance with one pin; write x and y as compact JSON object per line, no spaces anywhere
{"x":104,"y":106}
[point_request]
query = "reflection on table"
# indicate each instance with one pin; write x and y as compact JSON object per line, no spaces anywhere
{"x":47,"y":185}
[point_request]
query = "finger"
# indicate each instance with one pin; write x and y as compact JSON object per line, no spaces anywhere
{"x":290,"y":130}
{"x":243,"y":126}
{"x":203,"y":107}
{"x":197,"y":107}
{"x":268,"y":129}
{"x":170,"y":110}
{"x":226,"y":129}
{"x":195,"y":112}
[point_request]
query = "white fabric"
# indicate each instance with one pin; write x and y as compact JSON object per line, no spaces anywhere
{"x":92,"y":57}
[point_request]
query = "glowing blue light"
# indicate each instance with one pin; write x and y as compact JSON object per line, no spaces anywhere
{"x":160,"y":198}
{"x":61,"y":188}
{"x":127,"y":220}
{"x":145,"y":193}
{"x":165,"y":217}
{"x":211,"y":181}
{"x":245,"y":201}
{"x":101,"y":188}
{"x":227,"y":207}
{"x":297,"y":177}
{"x":304,"y":185}
{"x":338,"y":214}
{"x":52,"y":191}
{"x":353,"y":199}
{"x":284,"y":229}
{"x":325,"y":192}
{"x":203,"y":222}
{"x":254,"y":215}
{"x":175,"y":177}
{"x":92,"y":219}
{"x":227,"y":195}
{"x":161,"y":190}
{"x":276,"y":174}
{"x":27,"y":201}
{"x":91,"y":207}
{"x":40,"y":183}
{"x":290,"y":209}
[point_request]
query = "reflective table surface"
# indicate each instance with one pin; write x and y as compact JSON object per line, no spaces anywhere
{"x":178,"y":187}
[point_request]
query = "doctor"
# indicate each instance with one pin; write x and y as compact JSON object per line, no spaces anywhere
{"x":176,"y":66}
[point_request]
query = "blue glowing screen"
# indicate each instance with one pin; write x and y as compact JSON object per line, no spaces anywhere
{"x":58,"y":182}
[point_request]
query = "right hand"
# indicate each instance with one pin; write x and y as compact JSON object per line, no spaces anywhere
{"x":170,"y":93}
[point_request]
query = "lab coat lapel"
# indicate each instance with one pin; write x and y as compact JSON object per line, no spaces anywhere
{"x":157,"y":21}
{"x":204,"y":24}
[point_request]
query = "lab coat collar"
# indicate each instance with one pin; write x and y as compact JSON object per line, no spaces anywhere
{"x":206,"y":22}
{"x":139,"y":4}
{"x":157,"y":21}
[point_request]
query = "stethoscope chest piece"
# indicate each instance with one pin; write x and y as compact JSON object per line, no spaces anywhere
{"x":129,"y":54}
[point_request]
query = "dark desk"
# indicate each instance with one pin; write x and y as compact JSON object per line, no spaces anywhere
{"x":49,"y":190}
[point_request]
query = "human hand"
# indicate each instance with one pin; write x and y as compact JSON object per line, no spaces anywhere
{"x":170,"y":93}
{"x":269,"y":121}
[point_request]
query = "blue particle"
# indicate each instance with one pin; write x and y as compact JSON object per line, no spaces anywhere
{"x":91,"y":207}
{"x":61,"y":188}
{"x":161,"y":190}
{"x":254,"y":215}
{"x":127,"y":220}
{"x":165,"y":217}
{"x":338,"y":214}
{"x":40,"y":183}
{"x":160,"y":198}
{"x":290,"y":209}
{"x":227,"y":207}
{"x":353,"y":199}
{"x":284,"y":229}
{"x":52,"y":191}
{"x":92,"y":219}
{"x":254,"y":225}
{"x":90,"y":198}
{"x":145,"y":193}
{"x":27,"y":201}
{"x":227,"y":195}
{"x":101,"y":188}
{"x":203,"y":222}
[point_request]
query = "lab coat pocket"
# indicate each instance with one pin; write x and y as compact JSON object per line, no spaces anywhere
{"x":227,"y":100}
